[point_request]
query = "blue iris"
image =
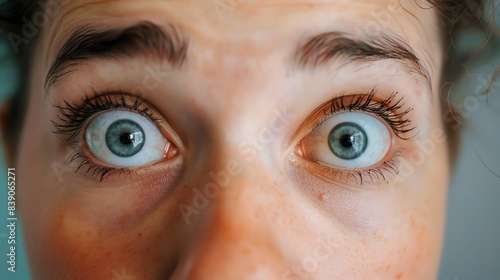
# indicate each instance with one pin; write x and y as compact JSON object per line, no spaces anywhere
{"x":347,"y":141}
{"x":125,"y":138}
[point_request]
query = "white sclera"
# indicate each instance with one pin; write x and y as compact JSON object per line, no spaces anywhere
{"x":95,"y":135}
{"x":317,"y":149}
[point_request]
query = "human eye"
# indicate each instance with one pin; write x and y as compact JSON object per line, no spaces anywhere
{"x":114,"y":133}
{"x":355,"y":139}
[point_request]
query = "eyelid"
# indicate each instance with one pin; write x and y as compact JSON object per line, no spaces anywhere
{"x":74,"y":117}
{"x":389,"y":109}
{"x":387,"y":170}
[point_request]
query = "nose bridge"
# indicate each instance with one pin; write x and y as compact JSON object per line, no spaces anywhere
{"x":235,"y":237}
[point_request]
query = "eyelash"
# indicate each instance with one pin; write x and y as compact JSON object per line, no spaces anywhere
{"x":390,"y":113}
{"x":370,"y":175}
{"x":390,"y":110}
{"x":73,"y":116}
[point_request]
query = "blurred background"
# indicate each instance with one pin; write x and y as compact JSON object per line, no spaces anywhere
{"x":472,"y":241}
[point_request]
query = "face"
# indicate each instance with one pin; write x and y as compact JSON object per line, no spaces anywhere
{"x":297,"y":139}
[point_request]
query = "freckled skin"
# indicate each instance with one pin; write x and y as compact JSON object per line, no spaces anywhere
{"x":275,"y":218}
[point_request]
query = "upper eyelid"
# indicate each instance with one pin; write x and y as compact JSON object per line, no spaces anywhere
{"x":73,"y":116}
{"x":393,"y":111}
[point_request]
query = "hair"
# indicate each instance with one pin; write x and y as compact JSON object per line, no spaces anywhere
{"x":457,"y":16}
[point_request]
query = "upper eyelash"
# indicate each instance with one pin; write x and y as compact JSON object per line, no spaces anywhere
{"x":391,"y":113}
{"x":73,"y":116}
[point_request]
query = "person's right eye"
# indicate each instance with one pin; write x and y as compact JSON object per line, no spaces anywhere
{"x":114,"y":132}
{"x":126,"y":139}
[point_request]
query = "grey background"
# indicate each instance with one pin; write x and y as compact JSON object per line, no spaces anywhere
{"x":472,"y":241}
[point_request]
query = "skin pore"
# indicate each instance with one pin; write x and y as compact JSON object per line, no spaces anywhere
{"x":237,"y":194}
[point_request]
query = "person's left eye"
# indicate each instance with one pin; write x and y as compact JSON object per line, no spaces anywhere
{"x":125,"y":139}
{"x":355,"y":139}
{"x":347,"y":140}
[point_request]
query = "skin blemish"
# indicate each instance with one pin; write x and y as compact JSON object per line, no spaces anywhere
{"x":320,"y":197}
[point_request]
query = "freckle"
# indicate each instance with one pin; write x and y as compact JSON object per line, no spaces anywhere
{"x":399,"y":276}
{"x":320,"y":197}
{"x":139,"y":234}
{"x":388,"y":267}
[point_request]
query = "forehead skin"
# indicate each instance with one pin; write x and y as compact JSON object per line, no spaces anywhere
{"x":228,"y":44}
{"x":253,"y":24}
{"x":390,"y":234}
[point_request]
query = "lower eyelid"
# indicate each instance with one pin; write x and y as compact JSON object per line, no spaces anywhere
{"x":81,"y":160}
{"x":383,"y":173}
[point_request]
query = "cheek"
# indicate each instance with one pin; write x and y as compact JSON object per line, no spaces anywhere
{"x":92,"y":235}
{"x":79,"y":248}
{"x":412,"y":232}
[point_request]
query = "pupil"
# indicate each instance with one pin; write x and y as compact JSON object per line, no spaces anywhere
{"x":126,"y":138}
{"x":345,"y":140}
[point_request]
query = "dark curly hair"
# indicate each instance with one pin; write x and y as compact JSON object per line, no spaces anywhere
{"x":457,"y":16}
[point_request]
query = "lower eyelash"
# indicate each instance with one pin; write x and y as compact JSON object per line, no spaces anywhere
{"x":77,"y":160}
{"x":80,"y":161}
{"x":384,"y":173}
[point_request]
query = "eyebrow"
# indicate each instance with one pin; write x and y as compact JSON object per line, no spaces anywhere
{"x":170,"y":45}
{"x":327,"y":47}
{"x":89,"y":42}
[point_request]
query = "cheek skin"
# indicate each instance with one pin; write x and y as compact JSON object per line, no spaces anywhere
{"x":86,"y":250}
{"x":393,"y":231}
{"x":125,"y":205}
{"x":413,"y":229}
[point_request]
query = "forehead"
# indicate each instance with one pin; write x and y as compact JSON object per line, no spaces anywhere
{"x":262,"y":24}
{"x":226,"y":16}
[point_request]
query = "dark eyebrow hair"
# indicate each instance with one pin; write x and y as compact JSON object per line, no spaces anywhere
{"x":89,"y":42}
{"x":325,"y":47}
